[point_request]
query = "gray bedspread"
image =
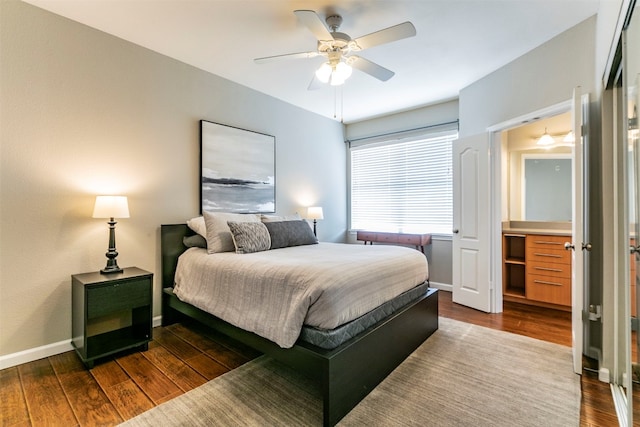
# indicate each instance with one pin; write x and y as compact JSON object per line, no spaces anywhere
{"x":273,"y":293}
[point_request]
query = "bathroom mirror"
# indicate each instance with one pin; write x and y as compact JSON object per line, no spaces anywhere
{"x":546,"y":187}
{"x":539,"y":177}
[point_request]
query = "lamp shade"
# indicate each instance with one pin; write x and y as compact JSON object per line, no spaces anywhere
{"x":111,"y":207}
{"x":314,"y":212}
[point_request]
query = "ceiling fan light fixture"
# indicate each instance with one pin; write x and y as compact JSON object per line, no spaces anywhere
{"x":334,"y":74}
{"x":324,"y":72}
{"x":341,"y":73}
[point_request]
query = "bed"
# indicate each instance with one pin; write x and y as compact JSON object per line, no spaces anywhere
{"x":338,"y":369}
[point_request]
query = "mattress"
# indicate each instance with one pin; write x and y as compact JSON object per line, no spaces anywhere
{"x":273,"y":293}
{"x":332,"y":338}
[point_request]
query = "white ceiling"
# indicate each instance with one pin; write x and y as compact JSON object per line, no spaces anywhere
{"x":457,"y":42}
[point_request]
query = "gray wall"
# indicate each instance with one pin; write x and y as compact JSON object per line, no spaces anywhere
{"x":85,"y":113}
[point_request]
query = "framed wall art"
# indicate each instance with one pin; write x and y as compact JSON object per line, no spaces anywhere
{"x":237,"y":170}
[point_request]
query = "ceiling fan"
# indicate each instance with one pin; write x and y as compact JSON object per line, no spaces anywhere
{"x":339,"y":49}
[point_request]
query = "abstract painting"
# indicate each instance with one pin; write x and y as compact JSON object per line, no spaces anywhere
{"x":237,"y":170}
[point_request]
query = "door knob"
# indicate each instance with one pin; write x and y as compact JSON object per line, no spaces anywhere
{"x":456,"y":231}
{"x":568,"y":246}
{"x":634,"y":249}
{"x":586,"y":246}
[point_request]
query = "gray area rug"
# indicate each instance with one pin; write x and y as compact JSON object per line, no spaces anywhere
{"x":463,"y":375}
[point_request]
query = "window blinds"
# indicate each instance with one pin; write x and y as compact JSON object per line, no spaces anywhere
{"x":403,"y":185}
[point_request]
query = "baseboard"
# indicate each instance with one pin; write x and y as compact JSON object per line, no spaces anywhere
{"x":26,"y":356}
{"x":442,"y":286}
{"x":603,"y":375}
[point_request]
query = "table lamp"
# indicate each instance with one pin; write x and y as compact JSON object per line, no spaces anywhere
{"x":111,"y":207}
{"x":314,"y":213}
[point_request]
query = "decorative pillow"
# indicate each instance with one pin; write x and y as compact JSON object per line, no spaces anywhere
{"x":249,"y":237}
{"x":274,"y":218}
{"x":218,"y":234}
{"x":195,"y":241}
{"x":290,"y":233}
{"x":197,"y":224}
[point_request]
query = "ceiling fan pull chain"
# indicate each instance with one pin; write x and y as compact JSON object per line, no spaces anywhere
{"x":341,"y":104}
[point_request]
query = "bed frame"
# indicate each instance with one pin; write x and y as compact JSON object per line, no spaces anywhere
{"x":347,"y":373}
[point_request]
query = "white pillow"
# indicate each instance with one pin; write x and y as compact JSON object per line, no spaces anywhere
{"x":197,"y":224}
{"x":218,"y":235}
{"x":278,"y":218}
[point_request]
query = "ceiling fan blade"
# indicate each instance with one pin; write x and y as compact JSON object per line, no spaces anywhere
{"x":371,"y":68}
{"x":286,"y":56}
{"x":315,"y":83}
{"x":391,"y":34}
{"x":313,"y":22}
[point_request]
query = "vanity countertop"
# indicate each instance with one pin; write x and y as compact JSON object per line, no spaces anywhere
{"x":535,"y":227}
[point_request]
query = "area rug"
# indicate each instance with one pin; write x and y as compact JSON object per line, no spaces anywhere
{"x":463,"y":375}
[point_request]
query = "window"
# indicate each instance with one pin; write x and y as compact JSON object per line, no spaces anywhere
{"x":403,"y":185}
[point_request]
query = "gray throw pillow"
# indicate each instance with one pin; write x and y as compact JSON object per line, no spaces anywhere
{"x":290,"y":233}
{"x":249,"y":237}
{"x":195,"y":241}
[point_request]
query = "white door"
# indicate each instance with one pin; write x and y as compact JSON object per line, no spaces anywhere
{"x":471,"y":234}
{"x":578,"y":115}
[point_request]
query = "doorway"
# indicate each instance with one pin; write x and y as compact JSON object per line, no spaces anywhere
{"x":568,"y":287}
{"x":537,"y":212}
{"x":513,"y":143}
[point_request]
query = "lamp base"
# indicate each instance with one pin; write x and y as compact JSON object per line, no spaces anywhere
{"x":112,"y":254}
{"x":110,"y":270}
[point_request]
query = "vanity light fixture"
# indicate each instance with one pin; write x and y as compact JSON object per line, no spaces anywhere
{"x":545,"y":139}
{"x":569,"y":138}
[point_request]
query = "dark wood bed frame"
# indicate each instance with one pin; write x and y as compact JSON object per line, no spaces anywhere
{"x":347,"y":373}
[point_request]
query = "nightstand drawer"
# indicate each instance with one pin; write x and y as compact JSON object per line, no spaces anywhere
{"x":117,"y":296}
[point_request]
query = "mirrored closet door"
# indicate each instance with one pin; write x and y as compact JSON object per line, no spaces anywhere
{"x":631,"y":94}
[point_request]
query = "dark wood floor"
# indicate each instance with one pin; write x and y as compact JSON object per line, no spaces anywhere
{"x":58,"y":390}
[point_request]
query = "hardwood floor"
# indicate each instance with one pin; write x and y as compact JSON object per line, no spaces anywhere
{"x":58,"y":390}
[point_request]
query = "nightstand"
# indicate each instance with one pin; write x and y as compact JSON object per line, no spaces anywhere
{"x":111,"y":312}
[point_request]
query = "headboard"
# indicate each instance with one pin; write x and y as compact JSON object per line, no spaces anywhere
{"x":171,"y":247}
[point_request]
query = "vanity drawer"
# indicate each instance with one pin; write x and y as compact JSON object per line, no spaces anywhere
{"x":546,"y":255}
{"x":549,"y":270}
{"x":553,"y":290}
{"x":543,"y":241}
